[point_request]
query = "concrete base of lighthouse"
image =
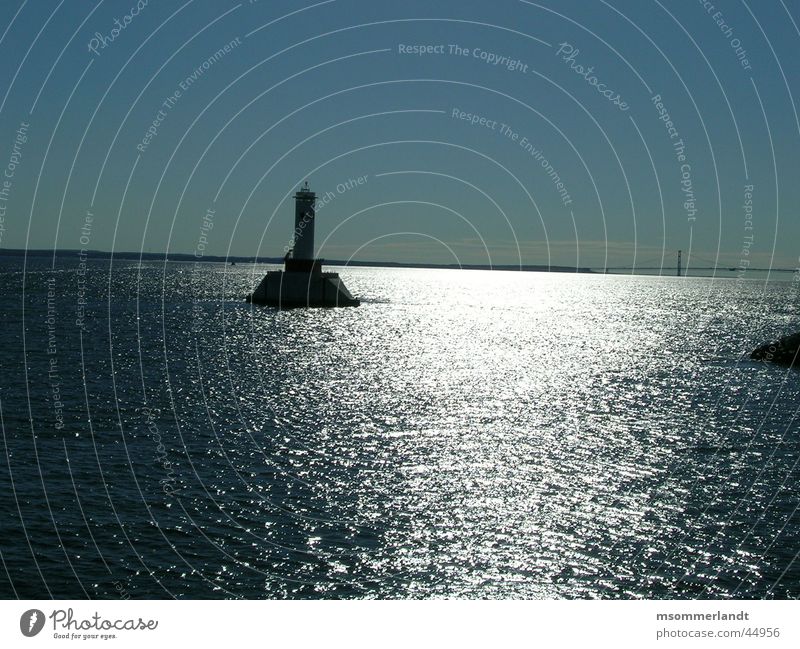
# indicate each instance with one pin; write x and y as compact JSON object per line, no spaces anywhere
{"x":302,"y":284}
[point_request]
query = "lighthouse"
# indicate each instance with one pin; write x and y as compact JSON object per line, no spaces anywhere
{"x":304,"y":201}
{"x":302,"y":282}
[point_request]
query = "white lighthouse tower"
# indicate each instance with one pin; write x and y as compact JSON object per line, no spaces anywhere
{"x":302,"y":282}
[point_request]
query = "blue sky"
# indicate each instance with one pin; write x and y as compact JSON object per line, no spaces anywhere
{"x":412,"y":98}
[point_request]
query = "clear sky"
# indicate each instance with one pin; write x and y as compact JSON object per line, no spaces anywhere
{"x":571,"y":132}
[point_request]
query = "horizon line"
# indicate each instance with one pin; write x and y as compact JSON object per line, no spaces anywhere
{"x":186,"y":257}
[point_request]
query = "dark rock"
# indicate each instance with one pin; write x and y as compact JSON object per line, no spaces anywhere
{"x":783,"y":352}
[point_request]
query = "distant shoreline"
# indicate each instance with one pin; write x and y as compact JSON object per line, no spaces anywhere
{"x":187,"y":257}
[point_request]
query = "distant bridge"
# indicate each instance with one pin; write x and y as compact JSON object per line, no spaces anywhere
{"x":679,"y":269}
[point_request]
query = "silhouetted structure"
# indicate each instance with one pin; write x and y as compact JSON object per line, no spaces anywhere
{"x":785,"y":351}
{"x":302,"y":282}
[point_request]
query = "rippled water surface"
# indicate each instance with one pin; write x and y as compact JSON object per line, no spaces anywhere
{"x":461,"y":434}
